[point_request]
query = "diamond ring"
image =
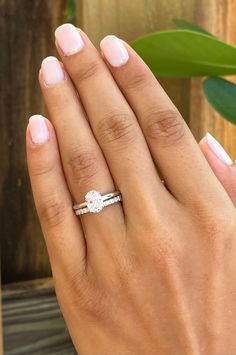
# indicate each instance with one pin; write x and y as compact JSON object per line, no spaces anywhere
{"x":95,"y":201}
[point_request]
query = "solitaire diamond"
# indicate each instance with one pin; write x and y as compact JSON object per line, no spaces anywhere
{"x":94,"y":201}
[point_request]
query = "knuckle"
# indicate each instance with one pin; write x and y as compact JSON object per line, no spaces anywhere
{"x":165,"y":250}
{"x":42,"y":170}
{"x":94,"y":306}
{"x":52,"y":211}
{"x":42,"y":167}
{"x":76,"y":280}
{"x":88,"y":70}
{"x":137,"y":81}
{"x":159,"y":248}
{"x":163,"y":255}
{"x":117,"y":128}
{"x":216,"y":224}
{"x":83,"y":165}
{"x":167,"y":126}
{"x":93,"y":302}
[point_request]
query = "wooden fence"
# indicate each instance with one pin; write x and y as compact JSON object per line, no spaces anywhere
{"x":27,"y":36}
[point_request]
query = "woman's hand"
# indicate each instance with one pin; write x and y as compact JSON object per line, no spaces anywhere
{"x":155,"y":274}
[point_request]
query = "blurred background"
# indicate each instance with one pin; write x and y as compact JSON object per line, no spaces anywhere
{"x":27,"y":36}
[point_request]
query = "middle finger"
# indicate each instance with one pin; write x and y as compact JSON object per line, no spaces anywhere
{"x":113,"y":121}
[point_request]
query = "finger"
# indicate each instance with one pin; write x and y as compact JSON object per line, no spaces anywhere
{"x":61,"y":229}
{"x":171,"y":143}
{"x":221,"y":163}
{"x":113,"y":122}
{"x":83,"y":162}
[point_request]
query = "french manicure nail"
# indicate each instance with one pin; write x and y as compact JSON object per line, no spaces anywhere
{"x":218,"y":150}
{"x":52,"y":71}
{"x":38,"y":129}
{"x":114,"y":51}
{"x":69,"y":39}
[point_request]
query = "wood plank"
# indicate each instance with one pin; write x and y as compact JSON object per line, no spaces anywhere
{"x":219,"y":18}
{"x":27,"y":36}
{"x":130,"y":19}
{"x":32,"y":320}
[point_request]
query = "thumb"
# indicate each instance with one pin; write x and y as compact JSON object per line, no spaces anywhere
{"x":221,"y":163}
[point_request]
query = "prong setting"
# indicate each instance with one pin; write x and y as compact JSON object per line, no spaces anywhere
{"x":94,"y":201}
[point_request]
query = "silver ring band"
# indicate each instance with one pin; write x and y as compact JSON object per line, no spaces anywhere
{"x":95,"y":202}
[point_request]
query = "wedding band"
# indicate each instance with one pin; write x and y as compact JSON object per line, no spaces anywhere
{"x":95,"y":202}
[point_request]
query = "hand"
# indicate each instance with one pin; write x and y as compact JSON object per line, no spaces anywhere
{"x":155,"y":274}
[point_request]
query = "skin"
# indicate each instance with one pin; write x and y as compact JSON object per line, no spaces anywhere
{"x":155,"y":274}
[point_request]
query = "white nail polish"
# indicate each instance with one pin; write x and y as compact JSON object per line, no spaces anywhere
{"x":218,"y":150}
{"x":69,"y":39}
{"x":114,"y":51}
{"x":38,"y":129}
{"x":52,"y":71}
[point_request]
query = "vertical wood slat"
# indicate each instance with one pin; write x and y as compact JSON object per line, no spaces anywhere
{"x":130,"y":19}
{"x":27,"y":36}
{"x":219,"y":18}
{"x":1,"y":328}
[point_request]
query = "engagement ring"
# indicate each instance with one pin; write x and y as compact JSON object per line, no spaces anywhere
{"x":95,"y":202}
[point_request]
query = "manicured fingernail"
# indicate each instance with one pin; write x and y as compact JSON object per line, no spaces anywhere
{"x":218,"y":150}
{"x":114,"y":51}
{"x":69,"y":39}
{"x":38,"y":129}
{"x":52,"y":71}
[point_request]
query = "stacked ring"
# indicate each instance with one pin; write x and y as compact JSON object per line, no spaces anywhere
{"x":95,"y":202}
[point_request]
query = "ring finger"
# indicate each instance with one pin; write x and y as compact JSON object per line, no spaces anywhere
{"x":83,"y":162}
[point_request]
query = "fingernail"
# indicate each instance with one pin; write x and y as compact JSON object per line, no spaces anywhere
{"x":114,"y":51}
{"x":69,"y":39}
{"x":52,"y":71}
{"x":38,"y":129}
{"x":218,"y":150}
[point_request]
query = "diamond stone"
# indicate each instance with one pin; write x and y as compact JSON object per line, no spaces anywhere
{"x":94,"y":201}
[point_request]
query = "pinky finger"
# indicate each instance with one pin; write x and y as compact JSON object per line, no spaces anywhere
{"x":220,"y":162}
{"x":61,"y":228}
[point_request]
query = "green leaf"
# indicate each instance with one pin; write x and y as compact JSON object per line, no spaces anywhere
{"x":187,"y":25}
{"x":184,"y":53}
{"x":71,"y":11}
{"x":221,"y":94}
